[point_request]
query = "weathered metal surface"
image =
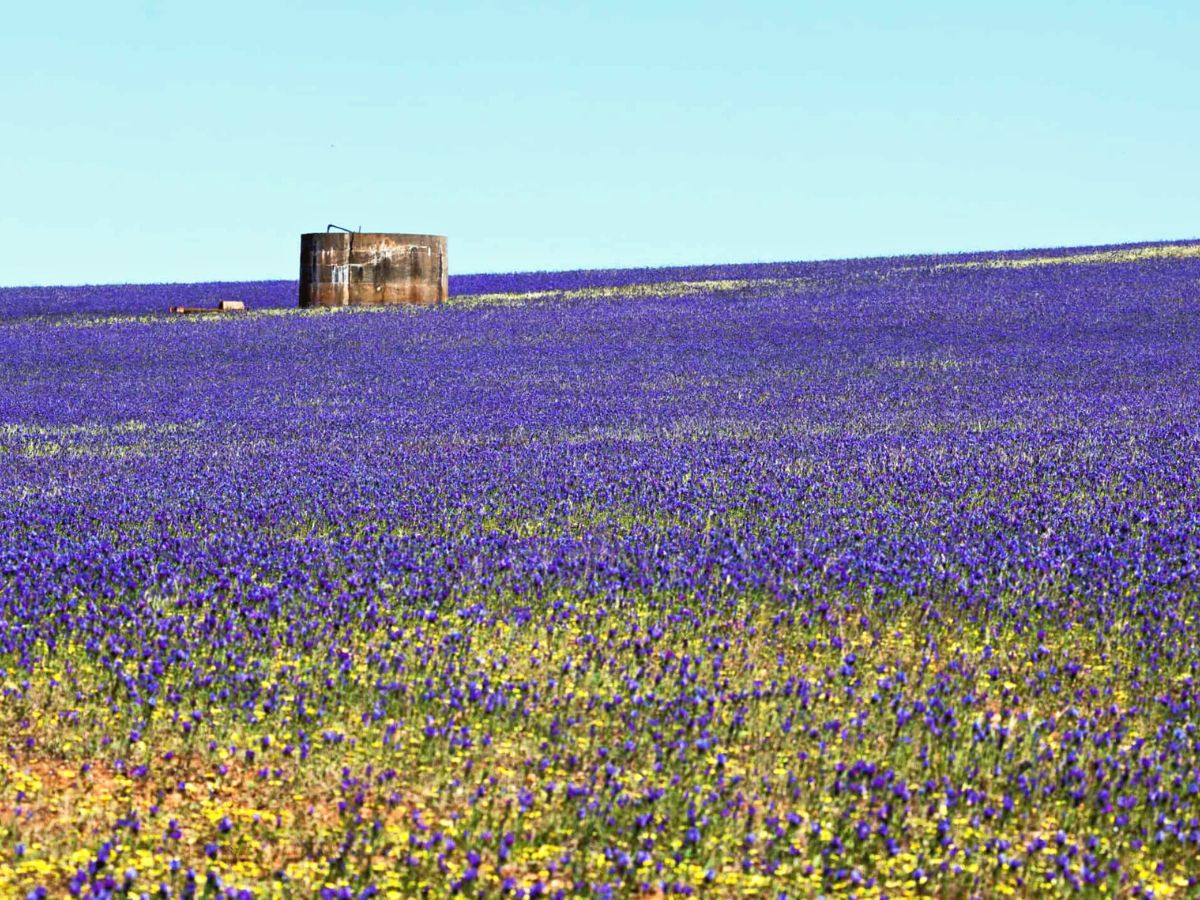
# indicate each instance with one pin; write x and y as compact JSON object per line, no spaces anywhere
{"x":340,"y":269}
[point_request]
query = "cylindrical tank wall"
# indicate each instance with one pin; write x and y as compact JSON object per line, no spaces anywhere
{"x":341,"y":269}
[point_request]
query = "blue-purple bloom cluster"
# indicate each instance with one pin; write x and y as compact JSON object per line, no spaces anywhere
{"x":875,"y":577}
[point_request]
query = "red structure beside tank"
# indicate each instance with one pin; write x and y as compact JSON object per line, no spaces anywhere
{"x":372,"y":269}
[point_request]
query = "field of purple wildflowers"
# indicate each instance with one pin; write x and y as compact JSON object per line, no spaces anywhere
{"x":873,"y":577}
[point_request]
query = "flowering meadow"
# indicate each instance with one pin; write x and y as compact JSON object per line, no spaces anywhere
{"x":871,"y":578}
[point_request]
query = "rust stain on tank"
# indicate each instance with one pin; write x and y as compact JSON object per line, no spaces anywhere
{"x":372,"y":269}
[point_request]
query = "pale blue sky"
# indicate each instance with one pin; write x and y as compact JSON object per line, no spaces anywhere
{"x":158,"y":141}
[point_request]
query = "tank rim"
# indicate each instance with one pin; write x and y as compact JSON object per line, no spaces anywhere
{"x":372,"y":234}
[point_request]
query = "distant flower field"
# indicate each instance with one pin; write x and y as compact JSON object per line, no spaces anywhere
{"x":876,"y":577}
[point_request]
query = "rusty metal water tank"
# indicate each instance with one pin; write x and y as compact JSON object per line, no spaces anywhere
{"x":344,"y":268}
